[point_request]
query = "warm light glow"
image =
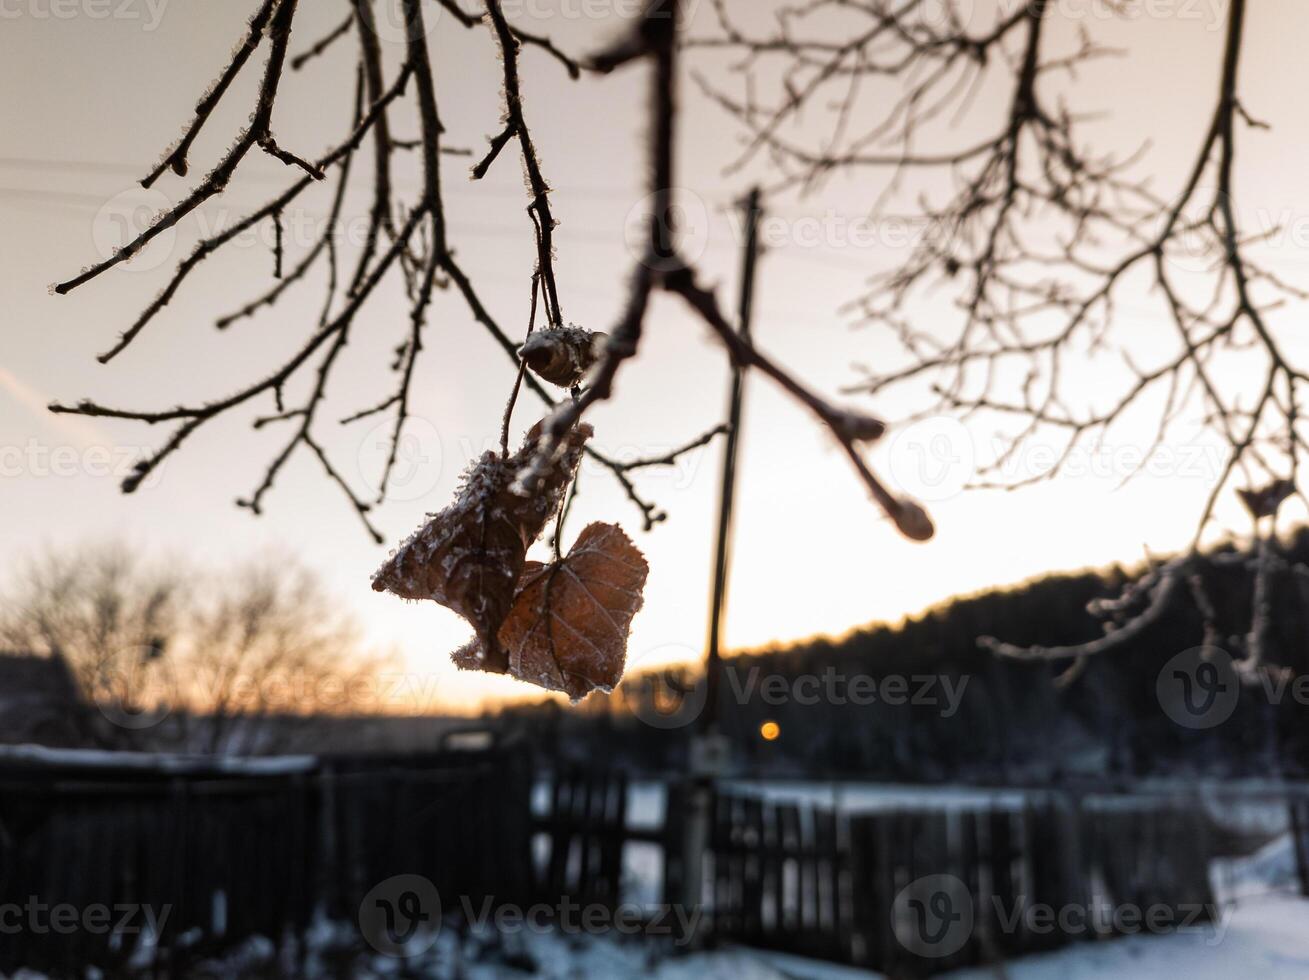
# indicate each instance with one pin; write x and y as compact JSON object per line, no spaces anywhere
{"x":770,"y":731}
{"x":811,"y":554}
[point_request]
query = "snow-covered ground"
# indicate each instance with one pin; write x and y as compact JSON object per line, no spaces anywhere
{"x":1269,"y":869}
{"x":1262,"y":931}
{"x":853,"y":797}
{"x":1266,"y":938}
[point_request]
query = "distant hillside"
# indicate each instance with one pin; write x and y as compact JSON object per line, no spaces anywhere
{"x":920,"y":701}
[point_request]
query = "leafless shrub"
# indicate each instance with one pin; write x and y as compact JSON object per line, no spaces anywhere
{"x":218,"y":655}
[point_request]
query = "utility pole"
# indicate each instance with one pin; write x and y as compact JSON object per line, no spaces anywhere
{"x":722,"y":554}
{"x":709,"y":748}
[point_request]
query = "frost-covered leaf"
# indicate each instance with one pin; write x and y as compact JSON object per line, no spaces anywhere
{"x":568,"y":628}
{"x":470,"y":556}
{"x":562,"y":355}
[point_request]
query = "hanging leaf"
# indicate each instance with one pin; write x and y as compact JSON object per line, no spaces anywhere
{"x":568,"y":628}
{"x":470,"y":556}
{"x":562,"y":355}
{"x":1265,"y":502}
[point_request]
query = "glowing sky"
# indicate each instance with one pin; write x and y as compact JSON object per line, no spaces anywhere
{"x":89,"y":104}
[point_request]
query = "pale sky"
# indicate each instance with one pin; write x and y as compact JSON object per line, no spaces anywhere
{"x":92,"y":100}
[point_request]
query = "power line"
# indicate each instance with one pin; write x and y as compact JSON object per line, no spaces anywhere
{"x":613,"y":191}
{"x":610,"y":191}
{"x":481,"y":229}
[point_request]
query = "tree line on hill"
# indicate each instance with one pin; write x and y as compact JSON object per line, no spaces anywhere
{"x":921,"y":701}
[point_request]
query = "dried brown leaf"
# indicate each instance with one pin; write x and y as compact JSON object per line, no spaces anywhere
{"x":568,"y":628}
{"x":470,"y":556}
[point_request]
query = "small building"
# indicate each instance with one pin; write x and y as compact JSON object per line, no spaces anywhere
{"x":40,"y":702}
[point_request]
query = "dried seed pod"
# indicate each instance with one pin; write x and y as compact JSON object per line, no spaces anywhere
{"x":912,"y":520}
{"x":858,"y":427}
{"x":562,"y":355}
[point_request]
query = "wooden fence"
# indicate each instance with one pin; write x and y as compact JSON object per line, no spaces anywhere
{"x":1299,"y":821}
{"x":1016,"y":879}
{"x":585,"y":827}
{"x":236,"y":850}
{"x":232,"y":851}
{"x":1029,"y":874}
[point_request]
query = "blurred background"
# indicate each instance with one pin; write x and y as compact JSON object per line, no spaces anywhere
{"x":212,"y":727}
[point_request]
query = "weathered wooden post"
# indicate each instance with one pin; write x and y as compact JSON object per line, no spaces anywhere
{"x":709,"y":748}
